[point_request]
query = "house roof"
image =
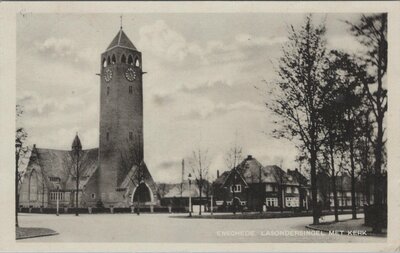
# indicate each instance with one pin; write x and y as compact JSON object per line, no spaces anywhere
{"x":121,"y":40}
{"x":179,"y":190}
{"x":252,"y":171}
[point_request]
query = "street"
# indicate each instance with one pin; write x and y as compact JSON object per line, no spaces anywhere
{"x":177,"y":229}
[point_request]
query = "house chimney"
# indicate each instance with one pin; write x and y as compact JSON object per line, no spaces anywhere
{"x":217,"y":173}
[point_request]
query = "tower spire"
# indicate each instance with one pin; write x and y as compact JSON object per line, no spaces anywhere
{"x":120,"y":17}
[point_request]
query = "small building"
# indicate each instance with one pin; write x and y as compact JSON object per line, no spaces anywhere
{"x":177,"y":195}
{"x":252,"y":186}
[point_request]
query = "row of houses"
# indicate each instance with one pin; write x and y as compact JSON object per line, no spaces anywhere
{"x":254,"y":187}
{"x":249,"y":186}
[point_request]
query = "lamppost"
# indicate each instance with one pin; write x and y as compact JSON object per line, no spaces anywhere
{"x":57,"y":199}
{"x":18,"y":145}
{"x":233,"y":193}
{"x":190,"y":194}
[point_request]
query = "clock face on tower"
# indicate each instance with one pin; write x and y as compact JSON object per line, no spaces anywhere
{"x":130,"y":74}
{"x":108,"y":75}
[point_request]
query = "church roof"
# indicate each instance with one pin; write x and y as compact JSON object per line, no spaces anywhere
{"x":121,"y":40}
{"x":55,"y":163}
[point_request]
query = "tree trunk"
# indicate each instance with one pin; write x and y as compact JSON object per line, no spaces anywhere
{"x":377,"y":228}
{"x":353,"y":181}
{"x":367,"y":189}
{"x":200,"y":188}
{"x":313,"y":160}
{"x":16,"y":188}
{"x":334,"y":191}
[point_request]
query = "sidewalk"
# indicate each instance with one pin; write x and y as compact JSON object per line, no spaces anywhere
{"x":346,"y":227}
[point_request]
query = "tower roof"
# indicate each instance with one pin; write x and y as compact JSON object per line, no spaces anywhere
{"x":76,"y":144}
{"x":121,"y":40}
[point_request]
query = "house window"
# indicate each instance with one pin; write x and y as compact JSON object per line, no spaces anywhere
{"x":288,"y":190}
{"x":53,"y":195}
{"x":271,"y":202}
{"x":292,"y":202}
{"x":269,"y":188}
{"x":130,"y":89}
{"x":236,"y":188}
{"x":295,"y":190}
{"x":93,"y":196}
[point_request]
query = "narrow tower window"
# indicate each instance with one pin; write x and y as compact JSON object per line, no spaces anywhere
{"x":123,"y":59}
{"x":108,"y":136}
{"x":108,"y":90}
{"x":108,"y":60}
{"x":104,"y":62}
{"x":130,"y":136}
{"x":113,"y":60}
{"x":137,"y":62}
{"x":130,"y":60}
{"x":130,"y":89}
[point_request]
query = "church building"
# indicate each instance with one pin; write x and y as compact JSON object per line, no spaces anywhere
{"x":114,"y":174}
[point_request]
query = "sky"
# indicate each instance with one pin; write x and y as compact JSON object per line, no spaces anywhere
{"x":204,"y":86}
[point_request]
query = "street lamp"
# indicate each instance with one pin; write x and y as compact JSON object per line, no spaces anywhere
{"x":190,"y":195}
{"x":58,"y":202}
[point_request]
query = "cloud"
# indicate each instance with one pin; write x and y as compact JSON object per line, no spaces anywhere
{"x":162,"y":100}
{"x":64,"y":48}
{"x":173,"y":47}
{"x":166,"y":43}
{"x":208,"y":110}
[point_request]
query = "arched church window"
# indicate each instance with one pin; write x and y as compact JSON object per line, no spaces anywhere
{"x":113,"y":59}
{"x":33,"y":186}
{"x":108,"y":60}
{"x":104,"y":62}
{"x":123,"y":58}
{"x":137,"y":62}
{"x":130,"y":60}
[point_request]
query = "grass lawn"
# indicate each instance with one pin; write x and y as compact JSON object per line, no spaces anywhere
{"x":23,"y":233}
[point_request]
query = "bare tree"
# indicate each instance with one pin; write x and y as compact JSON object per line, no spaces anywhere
{"x":199,"y":164}
{"x":76,"y":162}
{"x":232,"y":160}
{"x":298,"y":94}
{"x":21,"y":151}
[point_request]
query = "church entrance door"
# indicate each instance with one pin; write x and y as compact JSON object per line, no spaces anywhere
{"x":142,"y":194}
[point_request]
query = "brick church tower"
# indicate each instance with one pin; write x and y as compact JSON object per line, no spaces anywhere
{"x":121,"y":115}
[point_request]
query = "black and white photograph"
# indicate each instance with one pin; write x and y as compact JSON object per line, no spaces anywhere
{"x":203,"y":127}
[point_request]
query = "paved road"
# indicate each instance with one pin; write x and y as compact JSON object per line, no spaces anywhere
{"x":175,"y":228}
